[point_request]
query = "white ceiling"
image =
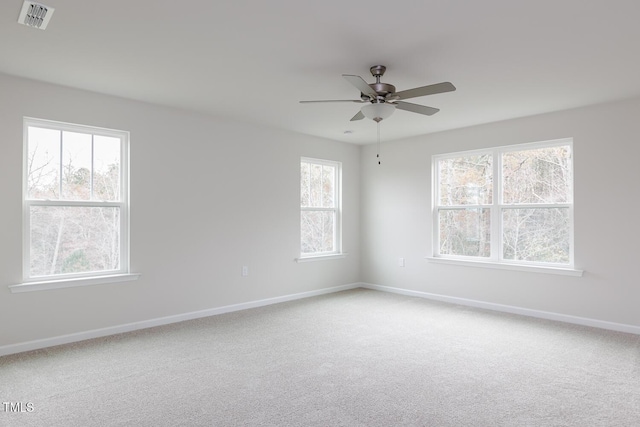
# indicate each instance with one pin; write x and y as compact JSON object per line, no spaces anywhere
{"x":253,"y":60}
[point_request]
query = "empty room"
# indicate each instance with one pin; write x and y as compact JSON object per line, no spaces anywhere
{"x":337,"y":213}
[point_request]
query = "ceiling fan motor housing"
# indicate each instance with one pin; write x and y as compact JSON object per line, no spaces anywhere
{"x":382,"y":89}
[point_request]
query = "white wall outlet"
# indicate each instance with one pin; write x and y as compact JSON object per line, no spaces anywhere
{"x":400,"y":262}
{"x":245,"y":270}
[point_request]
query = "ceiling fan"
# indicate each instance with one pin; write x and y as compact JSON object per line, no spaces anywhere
{"x":383,"y":99}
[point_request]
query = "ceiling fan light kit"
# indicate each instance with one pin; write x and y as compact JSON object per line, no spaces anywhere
{"x":378,"y":111}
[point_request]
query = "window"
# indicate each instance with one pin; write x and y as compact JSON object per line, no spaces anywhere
{"x":507,"y":205}
{"x":319,"y":207}
{"x":75,"y":201}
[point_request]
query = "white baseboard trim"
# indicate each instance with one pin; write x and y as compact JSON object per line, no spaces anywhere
{"x":128,"y":327}
{"x":584,"y":321}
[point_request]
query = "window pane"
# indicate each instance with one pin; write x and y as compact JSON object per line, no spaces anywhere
{"x":106,"y":168}
{"x":43,"y":163}
{"x":74,"y":239}
{"x":316,"y":186}
{"x":328,"y":182}
{"x":305,"y":181}
{"x":76,"y":166}
{"x":328,"y":242}
{"x":537,"y":176}
{"x":317,"y":231}
{"x":540,"y":235}
{"x":465,"y":232}
{"x":465,"y":180}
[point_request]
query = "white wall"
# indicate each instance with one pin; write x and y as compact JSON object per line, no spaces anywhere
{"x":396,"y":209}
{"x":207,"y":197}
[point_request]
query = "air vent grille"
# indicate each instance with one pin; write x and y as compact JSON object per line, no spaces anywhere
{"x":35,"y":15}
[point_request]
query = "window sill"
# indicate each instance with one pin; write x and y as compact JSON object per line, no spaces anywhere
{"x":320,"y":257}
{"x":72,"y":283}
{"x":563,"y":271}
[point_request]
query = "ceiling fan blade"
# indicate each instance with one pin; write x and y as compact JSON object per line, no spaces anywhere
{"x":361,"y":85}
{"x":358,"y":116}
{"x":423,"y":91}
{"x":415,"y":108}
{"x":359,"y":101}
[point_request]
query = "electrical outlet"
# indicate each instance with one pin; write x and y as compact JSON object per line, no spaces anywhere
{"x":400,"y":262}
{"x":245,"y":271}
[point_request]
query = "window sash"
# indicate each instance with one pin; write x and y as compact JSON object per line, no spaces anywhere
{"x":333,"y":234}
{"x":498,"y":207}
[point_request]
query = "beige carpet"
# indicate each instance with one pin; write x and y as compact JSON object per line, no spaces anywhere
{"x":354,"y":358}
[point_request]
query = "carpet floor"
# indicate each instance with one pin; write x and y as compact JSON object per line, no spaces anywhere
{"x":353,"y":358}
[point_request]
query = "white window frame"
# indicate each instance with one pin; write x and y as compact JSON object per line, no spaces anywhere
{"x":495,"y":260}
{"x":337,"y":210}
{"x":86,"y":278}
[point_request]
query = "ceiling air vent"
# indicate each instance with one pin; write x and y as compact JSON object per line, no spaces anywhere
{"x":35,"y":15}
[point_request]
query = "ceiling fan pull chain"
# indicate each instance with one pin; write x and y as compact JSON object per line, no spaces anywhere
{"x":378,"y":155}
